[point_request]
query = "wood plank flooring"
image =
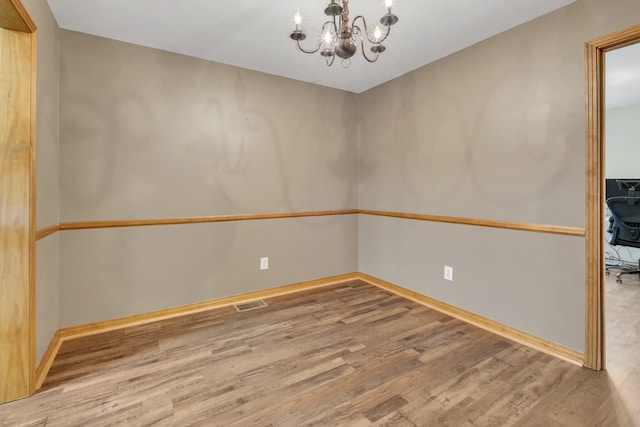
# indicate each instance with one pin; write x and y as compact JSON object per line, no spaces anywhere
{"x":622,"y":311}
{"x":344,"y":355}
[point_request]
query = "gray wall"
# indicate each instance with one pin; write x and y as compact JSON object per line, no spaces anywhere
{"x":151,"y":134}
{"x":47,"y":162}
{"x":109,"y":273}
{"x":495,"y":131}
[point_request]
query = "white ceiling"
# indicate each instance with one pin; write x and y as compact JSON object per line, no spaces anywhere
{"x":622,"y":76}
{"x":254,"y":34}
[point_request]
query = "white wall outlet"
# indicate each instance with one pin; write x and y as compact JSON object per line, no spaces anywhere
{"x":448,"y":273}
{"x":264,"y":263}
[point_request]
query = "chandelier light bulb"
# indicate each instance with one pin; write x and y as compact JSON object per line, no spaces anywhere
{"x":298,"y":34}
{"x":388,"y":3}
{"x":327,"y":37}
{"x":377,"y":34}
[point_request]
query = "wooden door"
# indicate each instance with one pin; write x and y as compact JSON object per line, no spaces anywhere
{"x":17,"y":307}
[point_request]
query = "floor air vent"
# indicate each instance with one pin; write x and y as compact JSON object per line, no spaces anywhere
{"x":252,"y":305}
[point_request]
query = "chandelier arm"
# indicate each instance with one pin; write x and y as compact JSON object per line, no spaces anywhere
{"x":366,"y":30}
{"x":330,"y":24}
{"x":386,"y":35}
{"x":324,"y":26}
{"x":307,"y":51}
{"x":364,"y":52}
{"x":364,"y":22}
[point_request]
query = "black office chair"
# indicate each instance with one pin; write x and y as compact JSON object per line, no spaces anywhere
{"x":624,"y":223}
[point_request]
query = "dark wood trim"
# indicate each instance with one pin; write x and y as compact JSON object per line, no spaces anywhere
{"x":594,"y":193}
{"x":522,"y":226}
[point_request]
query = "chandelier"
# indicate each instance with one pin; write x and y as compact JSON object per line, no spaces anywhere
{"x":340,"y":36}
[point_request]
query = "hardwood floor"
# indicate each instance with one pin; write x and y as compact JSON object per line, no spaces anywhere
{"x":622,"y":321}
{"x":344,"y":355}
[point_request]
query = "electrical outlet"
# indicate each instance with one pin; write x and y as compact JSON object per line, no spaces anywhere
{"x":448,"y":273}
{"x":264,"y":263}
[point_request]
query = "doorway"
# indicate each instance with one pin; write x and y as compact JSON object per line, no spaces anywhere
{"x":622,"y":179}
{"x":595,"y":190}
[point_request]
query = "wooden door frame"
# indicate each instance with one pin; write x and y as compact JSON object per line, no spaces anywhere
{"x":17,"y":202}
{"x":595,"y":50}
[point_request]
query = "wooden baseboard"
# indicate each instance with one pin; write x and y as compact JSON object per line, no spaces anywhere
{"x":47,"y":359}
{"x":79,"y":331}
{"x":525,"y":338}
{"x":514,"y":334}
{"x":153,"y":316}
